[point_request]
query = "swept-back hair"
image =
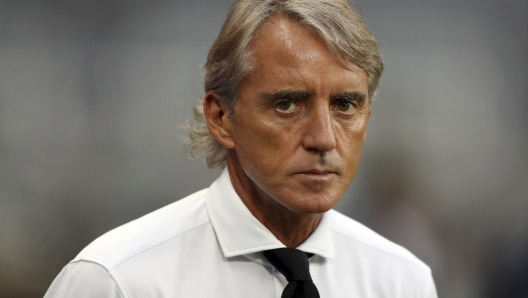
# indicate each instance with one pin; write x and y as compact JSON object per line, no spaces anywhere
{"x":230,"y":58}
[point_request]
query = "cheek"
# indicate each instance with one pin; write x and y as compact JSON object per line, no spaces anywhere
{"x":260,"y":146}
{"x":350,"y":139}
{"x":349,"y":130}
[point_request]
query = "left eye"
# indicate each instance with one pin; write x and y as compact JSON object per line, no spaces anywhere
{"x":345,"y":106}
{"x":286,"y":106}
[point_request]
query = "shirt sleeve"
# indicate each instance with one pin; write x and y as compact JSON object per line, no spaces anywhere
{"x":431,"y":289}
{"x":84,"y":280}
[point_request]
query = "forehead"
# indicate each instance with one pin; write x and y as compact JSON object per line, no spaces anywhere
{"x":289,"y":55}
{"x":280,"y":39}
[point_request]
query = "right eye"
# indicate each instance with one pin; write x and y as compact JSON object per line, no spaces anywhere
{"x":286,"y":106}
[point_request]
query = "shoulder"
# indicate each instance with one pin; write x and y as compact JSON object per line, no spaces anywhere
{"x":148,"y":231}
{"x":84,"y":279}
{"x":359,"y":235}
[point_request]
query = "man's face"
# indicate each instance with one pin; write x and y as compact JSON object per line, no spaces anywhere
{"x":301,"y":119}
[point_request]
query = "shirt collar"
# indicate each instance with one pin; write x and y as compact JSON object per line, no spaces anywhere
{"x":240,"y":233}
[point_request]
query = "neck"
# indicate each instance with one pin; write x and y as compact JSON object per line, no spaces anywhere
{"x":289,"y":227}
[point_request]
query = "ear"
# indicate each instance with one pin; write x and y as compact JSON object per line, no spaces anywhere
{"x":218,"y":120}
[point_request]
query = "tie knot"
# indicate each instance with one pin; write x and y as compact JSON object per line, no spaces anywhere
{"x":291,"y":262}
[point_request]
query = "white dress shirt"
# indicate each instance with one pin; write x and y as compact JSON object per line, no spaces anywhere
{"x":209,"y":245}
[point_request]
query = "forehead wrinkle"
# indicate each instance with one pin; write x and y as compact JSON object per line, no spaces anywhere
{"x":277,"y":35}
{"x":278,"y":40}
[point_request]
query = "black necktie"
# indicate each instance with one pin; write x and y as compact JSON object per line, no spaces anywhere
{"x":293,"y":264}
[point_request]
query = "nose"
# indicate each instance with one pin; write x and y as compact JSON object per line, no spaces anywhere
{"x":319,"y":135}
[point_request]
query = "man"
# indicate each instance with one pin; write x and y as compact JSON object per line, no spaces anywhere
{"x":288,"y":91}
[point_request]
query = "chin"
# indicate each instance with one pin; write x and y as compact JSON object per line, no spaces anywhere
{"x":313,"y":198}
{"x":310,"y":204}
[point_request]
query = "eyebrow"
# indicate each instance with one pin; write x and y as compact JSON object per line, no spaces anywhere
{"x":359,"y":97}
{"x":289,"y":95}
{"x":350,"y":96}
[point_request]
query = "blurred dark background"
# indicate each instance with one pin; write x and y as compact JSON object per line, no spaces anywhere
{"x":93,"y":95}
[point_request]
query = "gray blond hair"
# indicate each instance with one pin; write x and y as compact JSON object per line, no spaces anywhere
{"x":230,"y":57}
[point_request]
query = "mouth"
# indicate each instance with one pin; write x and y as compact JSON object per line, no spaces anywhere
{"x":316,"y":174}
